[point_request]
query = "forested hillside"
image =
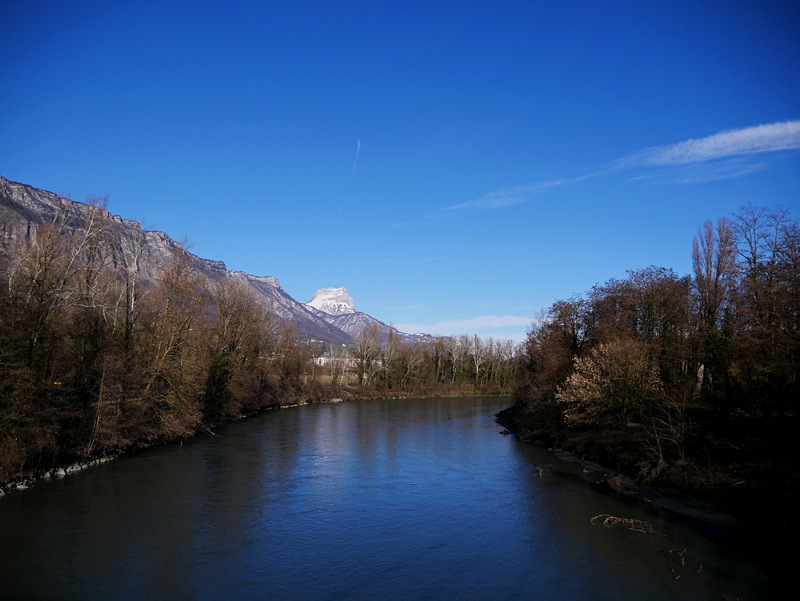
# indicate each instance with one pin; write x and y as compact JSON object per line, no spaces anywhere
{"x":687,"y":382}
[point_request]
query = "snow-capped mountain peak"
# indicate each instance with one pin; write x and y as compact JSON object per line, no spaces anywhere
{"x":333,"y":301}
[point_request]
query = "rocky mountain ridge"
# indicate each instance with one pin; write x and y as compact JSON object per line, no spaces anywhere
{"x":336,"y":307}
{"x":333,"y":301}
{"x":330,"y":316}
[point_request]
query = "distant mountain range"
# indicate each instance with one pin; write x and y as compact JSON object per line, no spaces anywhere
{"x":329,"y":317}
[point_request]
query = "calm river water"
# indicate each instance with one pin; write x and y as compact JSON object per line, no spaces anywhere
{"x":390,"y":499}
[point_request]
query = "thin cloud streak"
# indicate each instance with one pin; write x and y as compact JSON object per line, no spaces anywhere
{"x":358,"y":151}
{"x":507,"y":197}
{"x":698,"y":173}
{"x":772,"y":137}
{"x":724,"y":155}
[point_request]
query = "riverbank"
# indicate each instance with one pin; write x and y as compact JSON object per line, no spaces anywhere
{"x":31,"y":476}
{"x":60,"y":468}
{"x":751,"y":478}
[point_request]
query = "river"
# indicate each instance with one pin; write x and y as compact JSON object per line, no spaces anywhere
{"x":386,"y":499}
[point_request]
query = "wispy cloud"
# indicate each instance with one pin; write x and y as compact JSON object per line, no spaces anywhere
{"x":697,"y":173}
{"x":759,"y":139}
{"x":724,"y":155}
{"x":358,"y":151}
{"x":506,"y":197}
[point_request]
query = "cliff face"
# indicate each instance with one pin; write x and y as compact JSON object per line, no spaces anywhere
{"x":306,"y":323}
{"x":24,"y":209}
{"x":333,"y":301}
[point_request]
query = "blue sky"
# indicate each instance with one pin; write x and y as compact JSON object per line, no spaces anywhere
{"x":456,"y":165}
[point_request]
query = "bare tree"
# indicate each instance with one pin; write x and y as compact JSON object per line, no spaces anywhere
{"x":44,"y":273}
{"x":616,"y":379}
{"x":238,"y":339}
{"x":714,"y":264}
{"x":367,"y":349}
{"x":411,"y":358}
{"x":170,"y":362}
{"x":480,"y":351}
{"x":132,"y":250}
{"x":768,"y":333}
{"x":388,"y":355}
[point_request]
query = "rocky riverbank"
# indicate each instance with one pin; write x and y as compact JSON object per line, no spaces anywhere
{"x":56,"y":472}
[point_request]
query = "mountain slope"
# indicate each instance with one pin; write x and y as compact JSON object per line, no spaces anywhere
{"x":307,"y":323}
{"x":331,"y":318}
{"x":335,"y":306}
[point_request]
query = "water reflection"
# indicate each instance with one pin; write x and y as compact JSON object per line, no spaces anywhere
{"x":379,"y":499}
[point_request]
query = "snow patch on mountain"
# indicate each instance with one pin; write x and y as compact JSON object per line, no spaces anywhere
{"x":333,"y":301}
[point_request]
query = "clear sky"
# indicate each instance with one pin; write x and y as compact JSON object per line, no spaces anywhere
{"x":457,"y":166}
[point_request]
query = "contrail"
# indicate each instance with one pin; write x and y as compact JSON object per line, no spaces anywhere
{"x":358,"y":150}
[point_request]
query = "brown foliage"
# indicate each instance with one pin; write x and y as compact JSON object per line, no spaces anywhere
{"x":663,"y":366}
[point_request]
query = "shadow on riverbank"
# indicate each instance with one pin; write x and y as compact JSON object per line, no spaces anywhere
{"x":748,"y":504}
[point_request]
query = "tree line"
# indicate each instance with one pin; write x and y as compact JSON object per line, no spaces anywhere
{"x":665,"y":374}
{"x":97,"y":359}
{"x":441,"y":365}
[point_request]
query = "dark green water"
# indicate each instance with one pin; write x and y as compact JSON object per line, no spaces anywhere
{"x":395,"y":499}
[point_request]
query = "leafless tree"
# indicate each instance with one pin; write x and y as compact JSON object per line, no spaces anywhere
{"x":367,"y":349}
{"x":714,"y":264}
{"x":616,"y":379}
